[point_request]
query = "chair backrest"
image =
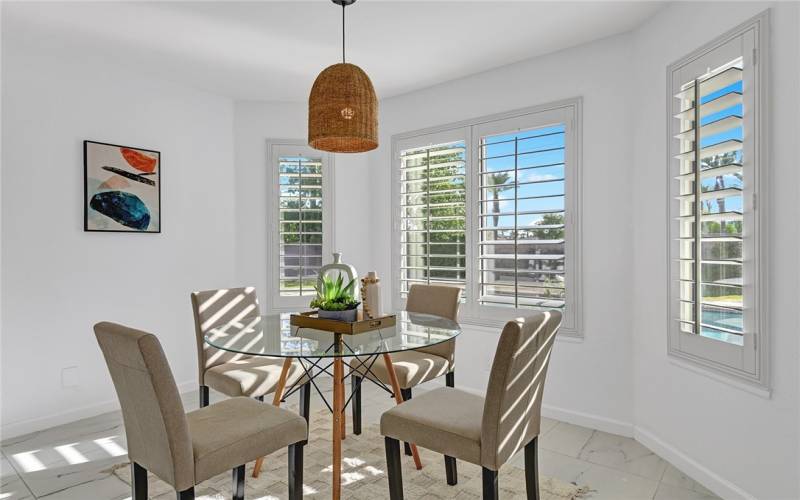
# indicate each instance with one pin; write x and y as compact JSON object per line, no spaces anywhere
{"x":512,"y":411}
{"x":441,"y":301}
{"x":219,"y":307}
{"x":155,"y":423}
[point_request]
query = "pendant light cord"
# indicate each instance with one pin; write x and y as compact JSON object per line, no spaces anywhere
{"x":343,"y":59}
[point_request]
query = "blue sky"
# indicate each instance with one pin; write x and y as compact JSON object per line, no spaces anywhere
{"x":732,"y":203}
{"x":734,"y":133}
{"x":540,"y":161}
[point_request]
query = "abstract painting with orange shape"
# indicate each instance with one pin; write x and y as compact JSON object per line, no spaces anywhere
{"x":122,"y":188}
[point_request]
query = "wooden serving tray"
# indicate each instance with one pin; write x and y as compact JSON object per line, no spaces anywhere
{"x":311,"y":320}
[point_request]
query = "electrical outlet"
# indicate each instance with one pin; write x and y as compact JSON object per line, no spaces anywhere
{"x":69,"y":377}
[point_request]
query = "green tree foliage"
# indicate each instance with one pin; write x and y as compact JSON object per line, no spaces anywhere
{"x":498,"y":186}
{"x":441,"y":186}
{"x":306,"y":196}
{"x":447,"y":217}
{"x":301,"y":193}
{"x":720,"y":250}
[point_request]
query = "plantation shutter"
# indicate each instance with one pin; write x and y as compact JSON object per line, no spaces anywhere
{"x":433,"y":215}
{"x":711,"y":218}
{"x":301,"y":225}
{"x":715,"y":174}
{"x":521,"y":186}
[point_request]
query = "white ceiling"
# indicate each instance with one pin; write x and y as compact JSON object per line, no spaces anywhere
{"x":273,"y":50}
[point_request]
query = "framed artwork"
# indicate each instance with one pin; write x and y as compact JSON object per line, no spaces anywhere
{"x":122,"y":188}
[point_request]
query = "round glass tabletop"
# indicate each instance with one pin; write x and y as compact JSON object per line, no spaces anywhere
{"x":272,"y":335}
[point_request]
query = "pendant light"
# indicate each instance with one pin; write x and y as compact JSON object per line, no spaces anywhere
{"x":343,"y":107}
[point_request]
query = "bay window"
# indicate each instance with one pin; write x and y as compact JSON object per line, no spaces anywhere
{"x":491,"y":205}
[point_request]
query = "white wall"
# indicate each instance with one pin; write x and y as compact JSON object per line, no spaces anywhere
{"x":737,"y":442}
{"x":57,"y":281}
{"x":590,"y":380}
{"x":619,"y":378}
{"x":255,"y":123}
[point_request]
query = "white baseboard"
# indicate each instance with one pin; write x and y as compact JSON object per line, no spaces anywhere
{"x":700,"y":473}
{"x":17,"y":429}
{"x":592,"y":421}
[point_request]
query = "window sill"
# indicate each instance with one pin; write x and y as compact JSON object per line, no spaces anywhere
{"x":728,"y":379}
{"x":495,"y":326}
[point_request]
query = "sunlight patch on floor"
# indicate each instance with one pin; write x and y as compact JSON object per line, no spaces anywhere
{"x":28,"y":461}
{"x":70,"y":454}
{"x":110,"y":446}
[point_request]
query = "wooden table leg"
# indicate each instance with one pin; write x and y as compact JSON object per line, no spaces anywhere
{"x":276,"y":401}
{"x":344,"y":415}
{"x":338,"y":424}
{"x":398,"y":397}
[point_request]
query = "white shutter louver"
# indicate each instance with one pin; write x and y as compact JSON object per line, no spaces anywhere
{"x":521,"y":189}
{"x":491,"y":205}
{"x":300,"y":225}
{"x":710,"y":179}
{"x":433,"y":215}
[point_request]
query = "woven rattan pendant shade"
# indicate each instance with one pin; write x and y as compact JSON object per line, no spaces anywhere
{"x":343,"y":111}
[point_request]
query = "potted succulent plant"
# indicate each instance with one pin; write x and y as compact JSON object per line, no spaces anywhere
{"x":334,"y":301}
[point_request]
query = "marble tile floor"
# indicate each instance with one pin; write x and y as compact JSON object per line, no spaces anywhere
{"x":73,"y":461}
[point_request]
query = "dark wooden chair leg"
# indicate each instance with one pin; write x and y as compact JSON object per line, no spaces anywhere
{"x":203,"y":396}
{"x":450,"y":379}
{"x":532,"y":469}
{"x":490,"y":491}
{"x":393,"y":469}
{"x":305,"y":405}
{"x":355,"y":388}
{"x":138,"y":482}
{"x":238,"y":483}
{"x":406,"y":393}
{"x":450,"y":470}
{"x":296,"y":471}
{"x":186,"y":494}
{"x":305,"y":401}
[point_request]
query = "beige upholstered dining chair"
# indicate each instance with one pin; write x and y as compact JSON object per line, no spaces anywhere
{"x":414,"y":367}
{"x":483,"y":431}
{"x":184,"y":449}
{"x":236,"y":374}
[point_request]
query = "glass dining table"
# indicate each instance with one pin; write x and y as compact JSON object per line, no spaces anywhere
{"x":322,"y":352}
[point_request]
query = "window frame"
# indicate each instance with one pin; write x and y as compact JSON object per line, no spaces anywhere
{"x":470,"y":131}
{"x":748,"y":363}
{"x":294,"y":147}
{"x":411,"y":142}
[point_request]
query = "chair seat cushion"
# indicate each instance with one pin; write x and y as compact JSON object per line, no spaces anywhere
{"x":251,"y":377}
{"x":444,"y":420}
{"x":412,"y":367}
{"x":238,"y":430}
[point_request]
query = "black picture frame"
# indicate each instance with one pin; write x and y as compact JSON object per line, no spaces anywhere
{"x":117,"y":226}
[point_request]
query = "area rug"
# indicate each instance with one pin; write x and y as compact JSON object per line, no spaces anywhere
{"x":363,"y":475}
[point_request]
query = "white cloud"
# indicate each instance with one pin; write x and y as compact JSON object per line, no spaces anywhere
{"x":534,"y":177}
